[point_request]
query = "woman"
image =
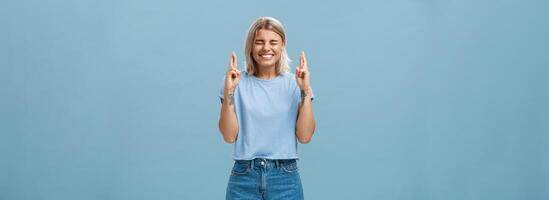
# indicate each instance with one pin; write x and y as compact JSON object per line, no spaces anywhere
{"x":264,"y":110}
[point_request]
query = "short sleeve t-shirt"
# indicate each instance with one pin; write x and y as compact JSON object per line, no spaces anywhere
{"x":266,"y":111}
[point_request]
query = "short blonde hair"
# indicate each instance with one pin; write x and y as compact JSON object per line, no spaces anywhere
{"x":268,"y":23}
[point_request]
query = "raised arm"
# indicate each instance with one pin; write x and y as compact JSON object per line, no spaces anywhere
{"x":228,"y":123}
{"x":305,"y":125}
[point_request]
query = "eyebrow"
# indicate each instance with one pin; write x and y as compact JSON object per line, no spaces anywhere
{"x":261,"y":40}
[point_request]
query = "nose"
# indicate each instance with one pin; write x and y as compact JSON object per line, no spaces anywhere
{"x":266,"y":47}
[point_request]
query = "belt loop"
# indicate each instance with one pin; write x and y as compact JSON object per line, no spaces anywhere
{"x":277,"y":163}
{"x":252,"y":164}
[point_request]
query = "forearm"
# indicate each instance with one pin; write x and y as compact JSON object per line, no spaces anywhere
{"x":305,"y":126}
{"x":228,"y":123}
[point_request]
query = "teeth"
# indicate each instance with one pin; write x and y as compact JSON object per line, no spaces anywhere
{"x":267,"y":56}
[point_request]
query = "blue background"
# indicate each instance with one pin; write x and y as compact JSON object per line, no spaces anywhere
{"x":416,"y":99}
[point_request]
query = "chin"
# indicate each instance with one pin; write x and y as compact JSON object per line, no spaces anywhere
{"x":268,"y":64}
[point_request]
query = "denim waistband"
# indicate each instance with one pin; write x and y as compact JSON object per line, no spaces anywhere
{"x":263,"y":162}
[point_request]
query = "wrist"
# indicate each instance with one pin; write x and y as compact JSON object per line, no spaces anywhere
{"x":228,"y":91}
{"x":306,"y":91}
{"x":228,"y":97}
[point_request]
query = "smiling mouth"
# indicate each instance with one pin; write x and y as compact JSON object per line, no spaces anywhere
{"x":266,"y":56}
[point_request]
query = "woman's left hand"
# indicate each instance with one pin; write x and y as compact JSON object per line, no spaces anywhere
{"x":302,"y":74}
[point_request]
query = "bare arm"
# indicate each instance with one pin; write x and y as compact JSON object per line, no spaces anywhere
{"x":305,"y":125}
{"x":228,"y":123}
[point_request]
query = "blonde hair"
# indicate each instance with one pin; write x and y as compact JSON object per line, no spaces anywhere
{"x":268,"y":23}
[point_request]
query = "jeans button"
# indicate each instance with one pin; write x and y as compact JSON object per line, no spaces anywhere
{"x":262,"y":162}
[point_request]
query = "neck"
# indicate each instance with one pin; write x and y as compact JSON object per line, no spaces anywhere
{"x":265,"y":73}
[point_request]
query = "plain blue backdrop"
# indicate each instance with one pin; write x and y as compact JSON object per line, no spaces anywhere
{"x":416,"y":99}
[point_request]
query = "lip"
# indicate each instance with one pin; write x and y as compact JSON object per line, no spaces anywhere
{"x":266,"y":56}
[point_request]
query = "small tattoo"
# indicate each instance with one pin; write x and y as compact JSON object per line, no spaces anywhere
{"x":303,"y":95}
{"x":231,"y":98}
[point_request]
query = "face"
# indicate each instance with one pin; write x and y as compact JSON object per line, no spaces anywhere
{"x":267,"y":47}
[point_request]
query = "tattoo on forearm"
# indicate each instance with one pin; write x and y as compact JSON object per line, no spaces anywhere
{"x":303,"y":95}
{"x":231,"y":99}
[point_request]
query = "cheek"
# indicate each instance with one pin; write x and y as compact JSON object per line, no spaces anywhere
{"x":256,"y":49}
{"x":255,"y":55}
{"x":278,"y":51}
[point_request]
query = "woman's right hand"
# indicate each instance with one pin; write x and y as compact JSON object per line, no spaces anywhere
{"x":233,"y":75}
{"x":228,"y":123}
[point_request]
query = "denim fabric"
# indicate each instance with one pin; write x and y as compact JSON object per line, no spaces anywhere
{"x":265,"y":179}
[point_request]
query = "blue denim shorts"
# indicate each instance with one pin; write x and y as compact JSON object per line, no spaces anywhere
{"x":265,"y":179}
